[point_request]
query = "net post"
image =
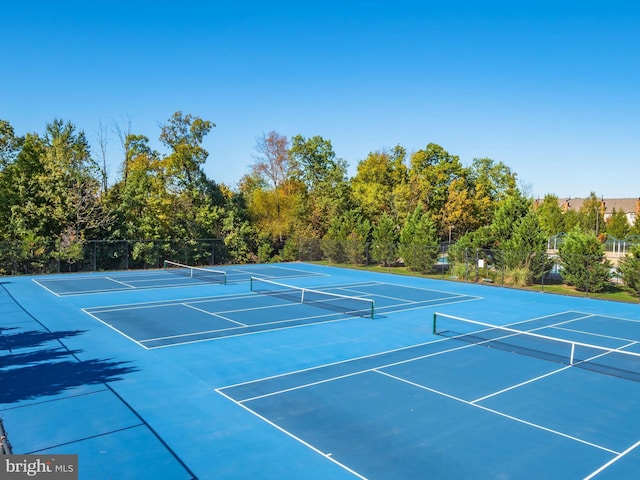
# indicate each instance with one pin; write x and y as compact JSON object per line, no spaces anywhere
{"x":251,"y":284}
{"x":372,"y":307}
{"x":573,"y":351}
{"x":164,"y":264}
{"x":434,"y":324}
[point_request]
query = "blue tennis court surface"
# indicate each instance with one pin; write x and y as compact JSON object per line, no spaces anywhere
{"x":211,"y":381}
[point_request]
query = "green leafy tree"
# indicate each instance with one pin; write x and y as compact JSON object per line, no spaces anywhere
{"x":618,"y":225}
{"x":572,"y":219}
{"x":346,"y":239}
{"x":431,"y":173}
{"x":333,"y":242}
{"x":71,"y":184}
{"x":274,"y":196}
{"x":51,"y":190}
{"x":463,"y":255}
{"x":419,"y":241}
{"x":182,"y":172}
{"x":550,"y":216}
{"x":491,"y":182}
{"x":274,"y":211}
{"x":9,"y":144}
{"x":141,"y":199}
{"x":356,"y":228}
{"x":239,"y":234}
{"x":592,"y":215}
{"x":183,"y":135}
{"x":629,"y":269}
{"x":507,"y":215}
{"x":376,"y":179}
{"x":21,"y":192}
{"x":328,"y":192}
{"x":459,"y":214}
{"x":23,"y":216}
{"x":524,"y":254}
{"x":584,"y":263}
{"x":384,"y":247}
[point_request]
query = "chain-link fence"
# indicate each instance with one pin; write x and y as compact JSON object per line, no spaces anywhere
{"x":5,"y":445}
{"x":100,"y":255}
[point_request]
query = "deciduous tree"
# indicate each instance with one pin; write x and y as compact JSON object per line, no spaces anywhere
{"x":376,"y":179}
{"x":432,"y":171}
{"x":328,"y":192}
{"x":272,"y":160}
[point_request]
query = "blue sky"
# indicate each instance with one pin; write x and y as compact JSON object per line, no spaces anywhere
{"x":550,"y":88}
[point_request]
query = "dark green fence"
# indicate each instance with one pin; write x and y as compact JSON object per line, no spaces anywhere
{"x":100,"y":255}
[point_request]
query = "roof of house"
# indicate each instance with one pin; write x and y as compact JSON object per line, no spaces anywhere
{"x":627,"y":205}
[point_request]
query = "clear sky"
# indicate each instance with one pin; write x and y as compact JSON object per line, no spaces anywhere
{"x":550,"y":88}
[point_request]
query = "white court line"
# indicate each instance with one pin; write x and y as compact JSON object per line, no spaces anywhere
{"x":169,"y":303}
{"x":214,"y":314}
{"x":606,"y":316}
{"x":313,"y":317}
{"x":592,"y":334}
{"x":496,"y":412}
{"x":328,"y":456}
{"x":612,"y":461}
{"x":300,"y":387}
{"x":418,"y":307}
{"x":340,"y":362}
{"x":118,"y":281}
{"x":389,"y":297}
{"x":116,"y":330}
{"x":420,"y":386}
{"x":510,"y":325}
{"x":46,"y":288}
{"x":240,"y":334}
{"x":216,"y":298}
{"x":357,"y":372}
{"x":273,"y":267}
{"x":513,"y":387}
{"x":631,"y":342}
{"x":551,"y":315}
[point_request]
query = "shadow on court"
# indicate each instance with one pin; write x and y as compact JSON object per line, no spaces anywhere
{"x":44,"y":371}
{"x":32,"y":338}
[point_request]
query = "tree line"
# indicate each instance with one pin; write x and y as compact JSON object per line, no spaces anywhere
{"x":54,"y":188}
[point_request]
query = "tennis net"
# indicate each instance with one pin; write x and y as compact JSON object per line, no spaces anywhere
{"x":357,"y":306}
{"x":610,"y":361}
{"x":203,"y":274}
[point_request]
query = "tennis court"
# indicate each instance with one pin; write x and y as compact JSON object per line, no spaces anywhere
{"x":270,"y":305}
{"x":235,"y":381}
{"x":518,"y":422}
{"x":173,"y":275}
